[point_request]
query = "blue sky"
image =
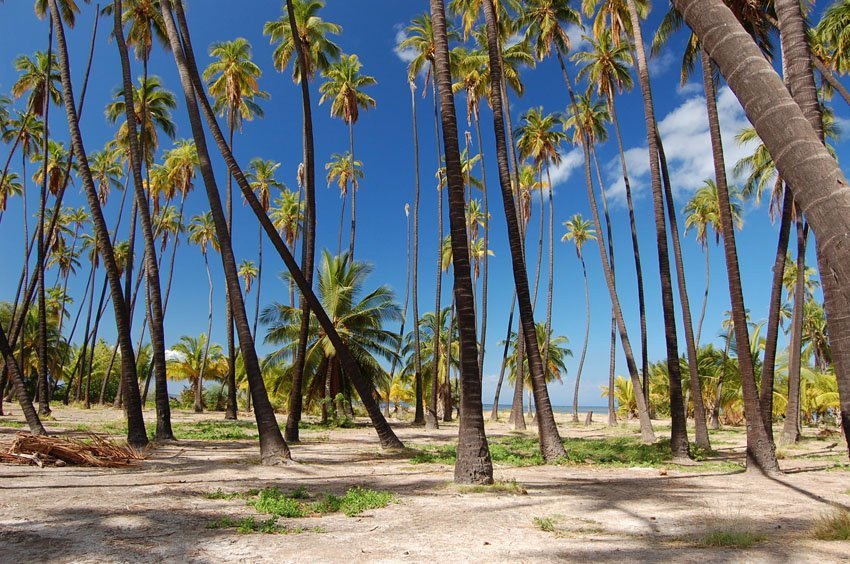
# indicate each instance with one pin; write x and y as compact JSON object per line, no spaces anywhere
{"x":384,"y":144}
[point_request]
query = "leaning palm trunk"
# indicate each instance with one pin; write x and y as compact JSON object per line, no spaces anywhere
{"x":230,"y":411}
{"x":801,"y":81}
{"x":700,"y":427}
{"x":417,"y":358}
{"x":263,"y":411}
{"x":485,"y":276}
{"x":550,"y":440}
{"x":678,"y":433}
{"x":30,"y":414}
{"x":473,"y":464}
{"x":586,"y":338}
{"x":494,"y":413}
{"x":816,"y":181}
{"x":136,"y":434}
{"x":151,"y":266}
{"x":791,"y":428}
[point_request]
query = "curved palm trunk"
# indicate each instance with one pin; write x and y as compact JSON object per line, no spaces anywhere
{"x":551,"y":288}
{"x":679,"y":436}
{"x":154,"y":298}
{"x":30,"y":414}
{"x":417,"y":350}
{"x":704,"y":296}
{"x":486,"y":259}
{"x":550,"y":440}
{"x":700,"y":428}
{"x":136,"y":434}
{"x":586,"y":338}
{"x":199,"y":383}
{"x":90,"y":363}
{"x":431,"y":414}
{"x":791,"y":427}
{"x":473,"y":464}
{"x":494,"y":413}
{"x":262,"y":408}
{"x":273,"y":448}
{"x":801,"y":81}
{"x":768,"y":367}
{"x":539,"y":243}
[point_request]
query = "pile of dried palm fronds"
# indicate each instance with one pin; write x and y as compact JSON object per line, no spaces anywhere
{"x":42,"y":450}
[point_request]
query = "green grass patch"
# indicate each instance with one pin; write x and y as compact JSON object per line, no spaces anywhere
{"x":546,"y":524}
{"x":297,"y":503}
{"x":12,"y":424}
{"x":345,"y":423}
{"x":723,"y":538}
{"x":248,"y":525}
{"x":508,"y":487}
{"x":221,"y":494}
{"x":212,"y":430}
{"x":834,"y":526}
{"x":357,"y":500}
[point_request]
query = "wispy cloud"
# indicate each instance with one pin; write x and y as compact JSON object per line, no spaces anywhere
{"x":562,"y":172}
{"x":405,"y":55}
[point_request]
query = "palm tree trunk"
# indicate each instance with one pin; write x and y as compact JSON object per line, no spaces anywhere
{"x":403,"y":319}
{"x":494,"y":413}
{"x":273,"y":448}
{"x":341,"y":220}
{"x":30,"y":414}
{"x":353,"y":190}
{"x":93,"y":347}
{"x":791,"y":427}
{"x":679,"y":436}
{"x":551,"y":288}
{"x":154,"y":298}
{"x":417,"y":350}
{"x":473,"y":464}
{"x":539,"y":242}
{"x":86,"y":333}
{"x":199,"y":383}
{"x":486,"y":258}
{"x":230,"y":411}
{"x":714,"y":421}
{"x":43,"y":381}
{"x":700,"y":428}
{"x":768,"y":367}
{"x":795,"y":46}
{"x":447,"y":384}
{"x":550,"y":440}
{"x":431,"y":414}
{"x":586,"y":338}
{"x":704,"y":296}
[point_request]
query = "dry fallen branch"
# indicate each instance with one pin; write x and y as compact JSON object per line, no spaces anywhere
{"x":41,"y":450}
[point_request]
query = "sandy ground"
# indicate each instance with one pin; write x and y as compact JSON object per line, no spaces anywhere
{"x":156,"y":511}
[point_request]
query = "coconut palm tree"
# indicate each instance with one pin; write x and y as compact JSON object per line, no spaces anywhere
{"x":11,"y":187}
{"x":580,"y":231}
{"x":346,"y":172}
{"x":702,"y":213}
{"x":232,"y":80}
{"x":550,"y":442}
{"x":313,"y":34}
{"x":196,"y":358}
{"x":32,"y":81}
{"x":68,"y":8}
{"x":152,"y":104}
{"x":261,"y":175}
{"x":287,"y":215}
{"x":202,"y":233}
{"x":343,"y":86}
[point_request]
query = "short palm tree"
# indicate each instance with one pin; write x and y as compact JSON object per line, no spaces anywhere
{"x":196,"y":359}
{"x":344,"y":86}
{"x":360,"y":319}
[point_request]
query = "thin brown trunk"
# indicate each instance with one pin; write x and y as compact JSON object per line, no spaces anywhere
{"x":791,"y":427}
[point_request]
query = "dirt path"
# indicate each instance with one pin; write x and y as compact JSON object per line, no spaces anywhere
{"x":157,"y":511}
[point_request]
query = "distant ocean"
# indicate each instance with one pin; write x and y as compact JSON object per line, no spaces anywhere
{"x":596,"y":409}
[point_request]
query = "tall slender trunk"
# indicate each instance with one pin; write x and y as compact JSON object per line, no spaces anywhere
{"x":353,"y":190}
{"x":230,"y":411}
{"x":93,"y":346}
{"x":273,"y":448}
{"x":199,"y":383}
{"x":154,"y":298}
{"x":698,"y":337}
{"x":791,"y":427}
{"x":263,"y":411}
{"x":700,"y":428}
{"x":678,"y":433}
{"x":431,"y":413}
{"x":795,"y":46}
{"x":539,"y":241}
{"x":768,"y":367}
{"x":41,"y":351}
{"x":403,"y":320}
{"x":550,"y":440}
{"x":417,"y":350}
{"x":551,"y":288}
{"x":714,"y":420}
{"x":447,"y":384}
{"x":473,"y":464}
{"x":494,"y":413}
{"x":486,"y":259}
{"x":586,"y":338}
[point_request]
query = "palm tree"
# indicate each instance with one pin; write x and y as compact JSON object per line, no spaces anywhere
{"x":261,"y":175}
{"x":152,"y":104}
{"x":556,"y":367}
{"x":702,"y":212}
{"x":202,"y":232}
{"x":580,"y":231}
{"x":32,"y":81}
{"x":607,"y":66}
{"x":232,"y":80}
{"x":273,"y":447}
{"x":136,"y":430}
{"x":344,"y":86}
{"x":550,"y":442}
{"x":346,"y":172}
{"x":417,"y":344}
{"x":358,"y":316}
{"x":196,"y":357}
{"x":11,"y":187}
{"x":180,"y":167}
{"x":287,"y":215}
{"x":313,"y":33}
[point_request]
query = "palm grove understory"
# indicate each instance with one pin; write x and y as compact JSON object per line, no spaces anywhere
{"x":343,"y":346}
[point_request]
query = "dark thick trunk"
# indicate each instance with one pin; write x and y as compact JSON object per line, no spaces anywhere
{"x":30,"y":414}
{"x":678,"y":433}
{"x":473,"y":464}
{"x":550,"y":440}
{"x":136,"y":434}
{"x":273,"y":448}
{"x":153,"y":295}
{"x":263,"y":411}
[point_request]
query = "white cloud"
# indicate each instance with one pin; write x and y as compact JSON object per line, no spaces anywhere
{"x":570,"y":161}
{"x":171,"y":355}
{"x":687,"y":146}
{"x":661,"y":63}
{"x":406,"y":55}
{"x":577,"y":40}
{"x":690,"y":89}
